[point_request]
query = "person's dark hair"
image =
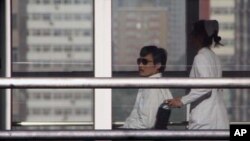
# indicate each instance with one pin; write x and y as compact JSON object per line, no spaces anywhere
{"x":217,"y":39}
{"x":159,"y":55}
{"x":199,"y":29}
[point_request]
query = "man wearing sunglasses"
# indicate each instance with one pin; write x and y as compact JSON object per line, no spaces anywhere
{"x":151,"y":63}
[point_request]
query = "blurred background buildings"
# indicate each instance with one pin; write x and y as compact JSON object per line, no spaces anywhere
{"x":57,"y":36}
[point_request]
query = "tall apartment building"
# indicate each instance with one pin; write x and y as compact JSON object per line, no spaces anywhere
{"x":157,"y":22}
{"x":242,"y":56}
{"x":53,"y":36}
{"x":134,"y":28}
{"x":61,"y":32}
{"x":223,"y":11}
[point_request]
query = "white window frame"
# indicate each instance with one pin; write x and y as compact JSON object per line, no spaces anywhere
{"x":8,"y":113}
{"x":103,"y":63}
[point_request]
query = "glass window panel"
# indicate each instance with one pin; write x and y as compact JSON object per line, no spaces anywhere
{"x":239,"y":105}
{"x":46,"y":39}
{"x":232,"y":16}
{"x":136,"y":23}
{"x":237,"y":102}
{"x":46,"y":26}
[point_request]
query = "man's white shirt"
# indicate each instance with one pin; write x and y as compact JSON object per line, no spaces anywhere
{"x":147,"y":102}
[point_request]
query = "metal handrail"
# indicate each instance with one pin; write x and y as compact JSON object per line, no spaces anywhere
{"x":118,"y":134}
{"x":124,"y":82}
{"x":53,"y":123}
{"x":79,"y":123}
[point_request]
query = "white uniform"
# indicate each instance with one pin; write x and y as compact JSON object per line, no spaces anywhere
{"x":208,"y":110}
{"x":143,"y":115}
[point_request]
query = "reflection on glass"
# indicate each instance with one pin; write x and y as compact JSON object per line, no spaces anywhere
{"x":136,"y":23}
{"x":52,"y":36}
{"x":232,"y":16}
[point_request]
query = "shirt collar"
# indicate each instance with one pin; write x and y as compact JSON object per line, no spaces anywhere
{"x":156,"y":75}
{"x":204,"y":49}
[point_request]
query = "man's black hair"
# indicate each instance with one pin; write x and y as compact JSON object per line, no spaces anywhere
{"x":159,"y":55}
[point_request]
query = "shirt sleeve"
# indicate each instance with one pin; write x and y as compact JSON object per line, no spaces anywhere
{"x":146,"y":111}
{"x":201,"y":69}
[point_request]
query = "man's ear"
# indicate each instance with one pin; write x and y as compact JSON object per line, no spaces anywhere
{"x":158,"y":66}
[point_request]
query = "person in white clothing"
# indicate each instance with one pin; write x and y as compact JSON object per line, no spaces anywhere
{"x":207,"y":109}
{"x":151,"y":63}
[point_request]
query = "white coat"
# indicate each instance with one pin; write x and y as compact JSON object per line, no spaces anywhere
{"x":208,"y":110}
{"x":147,"y":102}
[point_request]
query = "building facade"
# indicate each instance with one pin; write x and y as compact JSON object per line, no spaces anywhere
{"x":52,"y":36}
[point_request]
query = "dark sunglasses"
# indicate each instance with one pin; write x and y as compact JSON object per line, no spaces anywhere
{"x":143,"y":61}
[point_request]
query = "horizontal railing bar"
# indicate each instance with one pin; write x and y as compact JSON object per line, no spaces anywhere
{"x":53,"y":123}
{"x":243,"y":123}
{"x":78,"y":123}
{"x":171,"y":123}
{"x":119,"y":134}
{"x":124,"y":82}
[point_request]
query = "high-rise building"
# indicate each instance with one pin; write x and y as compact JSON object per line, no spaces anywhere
{"x":53,"y":36}
{"x":242,"y":33}
{"x":134,"y":28}
{"x":160,"y":20}
{"x":223,"y":11}
{"x":61,"y":33}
